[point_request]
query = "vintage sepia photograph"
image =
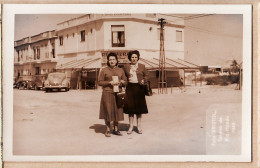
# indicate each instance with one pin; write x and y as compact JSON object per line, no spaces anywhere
{"x":127,"y":83}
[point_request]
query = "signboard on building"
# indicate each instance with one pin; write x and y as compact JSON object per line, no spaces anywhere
{"x":121,"y":55}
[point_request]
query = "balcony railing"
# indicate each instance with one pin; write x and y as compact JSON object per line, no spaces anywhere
{"x":22,"y":41}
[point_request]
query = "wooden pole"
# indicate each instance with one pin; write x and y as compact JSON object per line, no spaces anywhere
{"x":200,"y":78}
{"x":195,"y":78}
{"x":96,"y":79}
{"x":162,"y":81}
{"x":240,"y":78}
{"x":184,"y":79}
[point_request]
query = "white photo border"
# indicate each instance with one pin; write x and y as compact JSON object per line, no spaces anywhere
{"x":9,"y":11}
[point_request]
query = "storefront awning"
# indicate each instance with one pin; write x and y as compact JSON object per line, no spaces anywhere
{"x":169,"y":64}
{"x":86,"y":63}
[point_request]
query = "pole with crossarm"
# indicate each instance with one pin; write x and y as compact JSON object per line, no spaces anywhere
{"x":162,"y":81}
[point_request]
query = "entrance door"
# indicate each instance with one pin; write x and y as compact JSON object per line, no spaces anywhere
{"x":37,"y":70}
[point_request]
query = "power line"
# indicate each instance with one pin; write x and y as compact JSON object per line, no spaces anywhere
{"x":187,"y":17}
{"x":205,"y":31}
{"x":211,"y":32}
{"x":195,"y":17}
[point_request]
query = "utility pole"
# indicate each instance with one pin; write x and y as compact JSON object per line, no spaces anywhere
{"x":162,"y":81}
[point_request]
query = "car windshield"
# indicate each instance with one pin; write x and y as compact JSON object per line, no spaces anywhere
{"x":59,"y":76}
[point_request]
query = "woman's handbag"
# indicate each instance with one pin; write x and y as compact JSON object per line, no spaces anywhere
{"x":121,"y":98}
{"x":147,"y":89}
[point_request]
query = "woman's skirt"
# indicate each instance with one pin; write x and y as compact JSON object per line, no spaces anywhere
{"x":135,"y":99}
{"x":108,"y":108}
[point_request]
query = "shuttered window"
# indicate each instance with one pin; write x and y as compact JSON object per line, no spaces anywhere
{"x":118,"y":35}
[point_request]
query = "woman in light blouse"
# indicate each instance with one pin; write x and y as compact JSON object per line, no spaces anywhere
{"x":136,"y":74}
{"x":108,"y":107}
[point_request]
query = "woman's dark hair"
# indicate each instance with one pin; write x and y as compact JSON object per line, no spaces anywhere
{"x":133,"y":52}
{"x":112,"y":54}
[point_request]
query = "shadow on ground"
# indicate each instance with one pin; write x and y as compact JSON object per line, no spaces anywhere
{"x":100,"y":128}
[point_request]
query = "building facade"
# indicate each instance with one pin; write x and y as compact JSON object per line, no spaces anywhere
{"x":94,"y":35}
{"x":79,"y":46}
{"x":35,"y":55}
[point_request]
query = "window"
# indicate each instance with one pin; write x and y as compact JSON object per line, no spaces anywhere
{"x":178,"y":36}
{"x":18,"y":56}
{"x":34,"y":53}
{"x":61,"y":40}
{"x":53,"y":53}
{"x":118,"y":36}
{"x":82,"y":34}
{"x":38,"y":52}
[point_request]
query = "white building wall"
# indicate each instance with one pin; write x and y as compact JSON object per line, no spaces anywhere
{"x":100,"y":32}
{"x":145,"y":37}
{"x":73,"y":46}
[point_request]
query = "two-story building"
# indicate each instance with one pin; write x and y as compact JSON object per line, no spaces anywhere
{"x":35,"y":55}
{"x":84,"y":42}
{"x":79,"y":47}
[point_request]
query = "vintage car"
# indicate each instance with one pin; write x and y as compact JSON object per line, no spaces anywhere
{"x":56,"y":80}
{"x":23,"y":82}
{"x":37,"y":81}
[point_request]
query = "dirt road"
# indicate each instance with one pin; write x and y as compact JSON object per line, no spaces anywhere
{"x":178,"y":123}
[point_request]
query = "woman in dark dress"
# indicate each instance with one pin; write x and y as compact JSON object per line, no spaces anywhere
{"x":136,"y":74}
{"x":108,"y":107}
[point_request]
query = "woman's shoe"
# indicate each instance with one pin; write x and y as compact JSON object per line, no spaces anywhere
{"x":139,"y":131}
{"x":117,"y":133}
{"x":130,"y":131}
{"x":107,"y":134}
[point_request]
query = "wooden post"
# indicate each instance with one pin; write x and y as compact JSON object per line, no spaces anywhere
{"x":195,"y":78}
{"x":200,"y":78}
{"x":96,"y":79}
{"x":184,"y":79}
{"x":240,"y":78}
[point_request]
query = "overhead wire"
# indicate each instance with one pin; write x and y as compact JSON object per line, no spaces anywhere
{"x":203,"y":30}
{"x":187,"y":17}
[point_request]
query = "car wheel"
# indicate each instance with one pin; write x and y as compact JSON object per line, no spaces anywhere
{"x":46,"y":90}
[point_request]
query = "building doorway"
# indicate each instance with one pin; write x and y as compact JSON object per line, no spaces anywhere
{"x":37,"y":72}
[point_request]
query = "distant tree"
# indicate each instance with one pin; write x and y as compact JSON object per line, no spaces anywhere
{"x":234,"y":66}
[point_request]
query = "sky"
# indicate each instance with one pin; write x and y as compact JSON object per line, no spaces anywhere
{"x":29,"y":25}
{"x":208,"y":40}
{"x":214,"y":40}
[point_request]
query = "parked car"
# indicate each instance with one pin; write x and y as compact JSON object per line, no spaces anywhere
{"x":56,"y":80}
{"x":23,"y":82}
{"x":37,"y":81}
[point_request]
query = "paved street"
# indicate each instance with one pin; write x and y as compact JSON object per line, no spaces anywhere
{"x":66,"y":123}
